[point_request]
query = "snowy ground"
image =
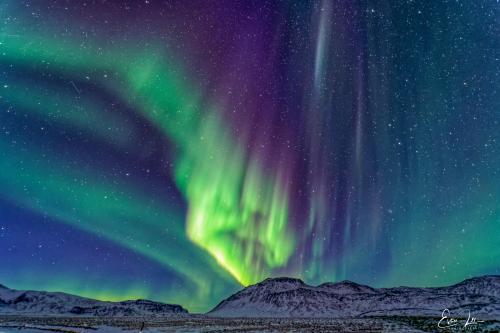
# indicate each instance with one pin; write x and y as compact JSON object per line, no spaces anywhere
{"x":22,"y":324}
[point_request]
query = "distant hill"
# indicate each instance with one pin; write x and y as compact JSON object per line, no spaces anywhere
{"x":284,"y":297}
{"x":56,"y":303}
{"x":288,"y":297}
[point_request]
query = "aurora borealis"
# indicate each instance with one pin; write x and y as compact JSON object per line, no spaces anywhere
{"x":177,"y":150}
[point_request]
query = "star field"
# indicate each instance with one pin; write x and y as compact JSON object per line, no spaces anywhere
{"x":177,"y":150}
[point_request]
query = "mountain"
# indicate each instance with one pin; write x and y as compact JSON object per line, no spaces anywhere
{"x":288,"y":297}
{"x":285,"y":297}
{"x":56,"y":303}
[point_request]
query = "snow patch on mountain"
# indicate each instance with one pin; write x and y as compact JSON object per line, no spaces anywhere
{"x":286,"y":297}
{"x":57,"y":303}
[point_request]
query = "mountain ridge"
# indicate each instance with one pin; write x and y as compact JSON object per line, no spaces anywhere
{"x":25,"y":302}
{"x":288,"y":297}
{"x":283,"y":297}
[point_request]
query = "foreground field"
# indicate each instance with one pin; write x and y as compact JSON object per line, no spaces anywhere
{"x":33,"y":324}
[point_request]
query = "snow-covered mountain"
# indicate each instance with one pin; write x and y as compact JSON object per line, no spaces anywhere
{"x":56,"y":303}
{"x":287,"y":297}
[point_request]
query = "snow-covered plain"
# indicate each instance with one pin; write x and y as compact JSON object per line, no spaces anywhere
{"x":197,"y":323}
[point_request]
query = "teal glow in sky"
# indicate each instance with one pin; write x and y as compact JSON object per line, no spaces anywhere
{"x":179,"y":151}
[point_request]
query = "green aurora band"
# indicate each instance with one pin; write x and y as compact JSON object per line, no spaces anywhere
{"x":235,"y":213}
{"x":365,"y":147}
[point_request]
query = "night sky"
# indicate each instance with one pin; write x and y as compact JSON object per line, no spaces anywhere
{"x":178,"y":150}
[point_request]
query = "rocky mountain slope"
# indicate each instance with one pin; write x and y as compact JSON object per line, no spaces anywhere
{"x":43,"y":303}
{"x":287,"y":297}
